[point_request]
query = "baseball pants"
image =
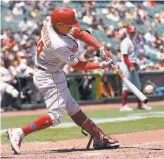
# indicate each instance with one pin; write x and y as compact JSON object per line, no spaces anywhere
{"x":56,"y":94}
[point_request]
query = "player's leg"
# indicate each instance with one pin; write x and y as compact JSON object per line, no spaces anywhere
{"x":55,"y":105}
{"x":16,"y":135}
{"x":101,"y":141}
{"x":43,"y":122}
{"x":124,"y":94}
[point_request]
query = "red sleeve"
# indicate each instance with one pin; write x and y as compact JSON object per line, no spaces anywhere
{"x":84,"y":66}
{"x":127,"y":61}
{"x":86,"y":38}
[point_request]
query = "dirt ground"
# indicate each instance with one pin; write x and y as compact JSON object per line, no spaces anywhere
{"x":138,"y":145}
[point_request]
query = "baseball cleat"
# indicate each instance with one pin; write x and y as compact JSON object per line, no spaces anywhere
{"x":106,"y":143}
{"x":15,"y":136}
{"x":125,"y":108}
{"x":144,"y":107}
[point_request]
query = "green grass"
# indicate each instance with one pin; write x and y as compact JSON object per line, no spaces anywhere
{"x":75,"y":132}
{"x":19,"y":121}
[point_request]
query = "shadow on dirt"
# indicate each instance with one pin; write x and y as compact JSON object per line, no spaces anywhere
{"x":85,"y":150}
{"x":71,"y":150}
{"x":77,"y":149}
{"x":130,"y":147}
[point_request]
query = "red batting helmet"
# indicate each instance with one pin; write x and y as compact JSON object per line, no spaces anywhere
{"x":131,"y":29}
{"x":65,"y":16}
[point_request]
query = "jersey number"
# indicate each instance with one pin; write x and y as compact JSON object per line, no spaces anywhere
{"x":39,"y":46}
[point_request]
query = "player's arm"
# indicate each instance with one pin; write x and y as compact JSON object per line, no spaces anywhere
{"x":87,"y":38}
{"x":65,"y":54}
{"x":127,"y":61}
{"x":86,"y":66}
{"x":124,"y":51}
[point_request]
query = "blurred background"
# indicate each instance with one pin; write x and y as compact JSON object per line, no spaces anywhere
{"x":21,"y":23}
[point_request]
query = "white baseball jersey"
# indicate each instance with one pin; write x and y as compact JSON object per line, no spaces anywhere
{"x":127,"y":48}
{"x":52,"y":53}
{"x":5,"y":75}
{"x":4,"y":83}
{"x":54,"y":50}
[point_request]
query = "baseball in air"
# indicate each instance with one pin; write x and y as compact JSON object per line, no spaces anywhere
{"x":149,"y":89}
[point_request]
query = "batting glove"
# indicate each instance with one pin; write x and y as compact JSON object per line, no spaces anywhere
{"x":104,"y":53}
{"x":106,"y":63}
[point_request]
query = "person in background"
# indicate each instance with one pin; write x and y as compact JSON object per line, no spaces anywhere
{"x":106,"y":89}
{"x":150,"y":67}
{"x":160,"y":65}
{"x":129,"y":68}
{"x":6,"y":87}
{"x":85,"y":87}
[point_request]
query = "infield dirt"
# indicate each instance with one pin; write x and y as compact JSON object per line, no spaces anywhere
{"x":139,"y":145}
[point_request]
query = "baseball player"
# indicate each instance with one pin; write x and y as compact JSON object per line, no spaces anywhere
{"x":56,"y":48}
{"x":5,"y":85}
{"x":129,"y":68}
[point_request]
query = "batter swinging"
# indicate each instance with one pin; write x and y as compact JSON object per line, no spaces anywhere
{"x":57,"y":47}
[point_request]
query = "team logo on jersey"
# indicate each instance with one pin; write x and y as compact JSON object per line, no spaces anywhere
{"x":71,"y":57}
{"x":74,"y":49}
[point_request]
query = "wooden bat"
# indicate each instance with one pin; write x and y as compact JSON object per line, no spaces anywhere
{"x":131,"y":86}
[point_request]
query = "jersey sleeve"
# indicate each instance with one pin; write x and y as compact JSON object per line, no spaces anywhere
{"x":65,"y":54}
{"x":124,"y":48}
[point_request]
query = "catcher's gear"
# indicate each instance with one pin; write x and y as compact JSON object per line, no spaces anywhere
{"x":65,"y":16}
{"x":131,"y":29}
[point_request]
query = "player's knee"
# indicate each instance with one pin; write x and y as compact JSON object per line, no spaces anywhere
{"x":56,"y":118}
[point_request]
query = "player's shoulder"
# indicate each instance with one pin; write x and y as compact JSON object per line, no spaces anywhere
{"x":56,"y":40}
{"x":126,"y":41}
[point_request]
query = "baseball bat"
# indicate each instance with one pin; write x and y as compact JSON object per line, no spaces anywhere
{"x":131,"y":86}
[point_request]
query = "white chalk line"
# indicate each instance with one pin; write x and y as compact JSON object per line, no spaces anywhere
{"x":129,"y":117}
